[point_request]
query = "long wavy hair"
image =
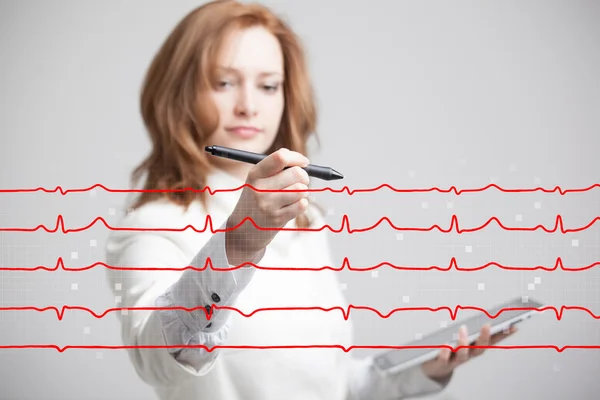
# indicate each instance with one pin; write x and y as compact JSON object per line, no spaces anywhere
{"x":179,"y":115}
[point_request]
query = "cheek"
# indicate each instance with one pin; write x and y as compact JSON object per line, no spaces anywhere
{"x":222,"y":105}
{"x":276,"y":110}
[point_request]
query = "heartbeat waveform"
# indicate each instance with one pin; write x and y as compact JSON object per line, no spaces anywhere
{"x":559,"y":264}
{"x":454,"y":225}
{"x":325,"y":346}
{"x":345,"y":311}
{"x":350,"y":192}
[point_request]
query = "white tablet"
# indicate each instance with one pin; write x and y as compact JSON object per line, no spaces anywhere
{"x":396,"y":360}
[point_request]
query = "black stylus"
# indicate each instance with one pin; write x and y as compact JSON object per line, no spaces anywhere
{"x":316,"y":171}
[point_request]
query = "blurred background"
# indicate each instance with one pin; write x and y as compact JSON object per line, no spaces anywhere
{"x":413,"y":94}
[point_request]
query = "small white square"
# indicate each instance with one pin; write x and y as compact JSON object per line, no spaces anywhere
{"x":493,"y":179}
{"x":405,"y":299}
{"x":512,"y":168}
{"x":330,"y":211}
{"x":481,"y":286}
{"x":124,"y":312}
{"x":468,"y":249}
{"x":111,"y":211}
{"x":449,"y":205}
{"x":519,"y":217}
{"x":418,"y":336}
{"x":93,"y":193}
{"x":575,"y":242}
{"x":525,"y":299}
{"x":412,"y":174}
{"x":99,"y":355}
{"x":74,"y":255}
{"x":117,"y":299}
{"x":531,"y":286}
{"x":537,"y":280}
{"x":374,"y":273}
{"x":455,"y":336}
{"x":424,"y":205}
{"x":537,"y":205}
{"x":86,"y":330}
{"x":399,"y":236}
{"x":74,"y":286}
{"x":93,"y":243}
{"x":443,"y":324}
{"x":117,"y":286}
{"x":343,"y":286}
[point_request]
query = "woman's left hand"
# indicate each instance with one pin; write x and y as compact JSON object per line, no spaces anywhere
{"x":444,"y":364}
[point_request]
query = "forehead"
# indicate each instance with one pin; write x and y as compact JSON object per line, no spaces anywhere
{"x":251,"y":50}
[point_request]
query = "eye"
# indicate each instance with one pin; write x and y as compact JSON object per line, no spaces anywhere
{"x":271,"y":88}
{"x":223,"y":83}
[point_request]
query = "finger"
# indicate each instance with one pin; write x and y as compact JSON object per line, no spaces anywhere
{"x":283,"y":179}
{"x":503,"y":335}
{"x":276,"y":162}
{"x":293,"y":210}
{"x":287,"y":187}
{"x":444,"y":356}
{"x":291,"y":194}
{"x":462,"y":355}
{"x":483,"y":340}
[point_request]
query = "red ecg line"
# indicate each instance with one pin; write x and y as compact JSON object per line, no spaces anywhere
{"x":60,"y":226}
{"x":345,"y":312}
{"x":454,"y":225}
{"x":323,"y":346}
{"x":453,"y":189}
{"x":345,"y":264}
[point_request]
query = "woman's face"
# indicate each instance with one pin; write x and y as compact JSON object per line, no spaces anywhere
{"x":248,"y":95}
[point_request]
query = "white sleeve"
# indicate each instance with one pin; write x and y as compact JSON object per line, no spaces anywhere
{"x":137,"y":287}
{"x":202,"y":289}
{"x":367,"y":384}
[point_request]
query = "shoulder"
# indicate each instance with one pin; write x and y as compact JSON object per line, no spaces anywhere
{"x":158,"y":221}
{"x":162,"y":214}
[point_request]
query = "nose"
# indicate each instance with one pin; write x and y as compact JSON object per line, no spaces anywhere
{"x":246,"y":103}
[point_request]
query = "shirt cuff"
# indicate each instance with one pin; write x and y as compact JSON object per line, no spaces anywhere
{"x":206,"y":288}
{"x":417,"y":383}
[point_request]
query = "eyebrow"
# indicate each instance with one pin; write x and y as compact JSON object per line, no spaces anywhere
{"x":264,"y":73}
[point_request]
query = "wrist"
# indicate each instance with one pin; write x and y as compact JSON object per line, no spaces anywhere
{"x":240,"y":245}
{"x":440,"y":377}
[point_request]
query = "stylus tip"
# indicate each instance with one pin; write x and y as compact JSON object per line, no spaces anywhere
{"x":336,"y":175}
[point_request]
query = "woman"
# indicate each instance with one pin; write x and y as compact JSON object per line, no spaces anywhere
{"x":234,"y":75}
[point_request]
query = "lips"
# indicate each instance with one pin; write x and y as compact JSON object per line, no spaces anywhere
{"x":244,"y":131}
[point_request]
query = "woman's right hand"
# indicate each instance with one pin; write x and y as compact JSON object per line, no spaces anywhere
{"x":267,"y":209}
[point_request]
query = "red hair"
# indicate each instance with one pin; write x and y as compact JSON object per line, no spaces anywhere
{"x":178,"y":114}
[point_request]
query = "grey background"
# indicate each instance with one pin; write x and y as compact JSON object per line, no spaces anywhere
{"x":414,"y":94}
